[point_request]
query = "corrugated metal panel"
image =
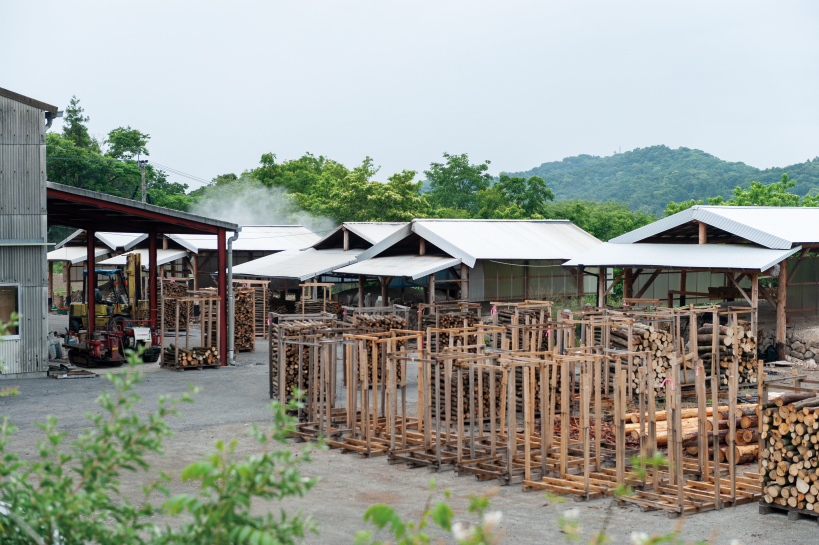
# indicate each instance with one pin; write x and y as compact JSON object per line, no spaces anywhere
{"x":396,"y":236}
{"x":413,"y":266}
{"x":74,"y":254}
{"x":274,"y":238}
{"x":9,"y":356}
{"x":476,"y":282}
{"x":693,"y":256}
{"x":301,"y":264}
{"x":374,"y":232}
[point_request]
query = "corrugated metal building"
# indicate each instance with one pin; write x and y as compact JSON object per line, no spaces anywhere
{"x":23,"y":231}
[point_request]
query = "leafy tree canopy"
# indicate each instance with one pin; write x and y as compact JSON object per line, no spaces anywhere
{"x":125,"y":143}
{"x":456,"y":183}
{"x":775,"y":194}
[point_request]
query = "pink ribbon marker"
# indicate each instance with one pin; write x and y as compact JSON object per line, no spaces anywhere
{"x":667,"y":380}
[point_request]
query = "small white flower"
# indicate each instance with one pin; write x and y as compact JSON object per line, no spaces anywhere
{"x":638,"y":538}
{"x":571,"y":514}
{"x":491,"y":520}
{"x":460,"y":533}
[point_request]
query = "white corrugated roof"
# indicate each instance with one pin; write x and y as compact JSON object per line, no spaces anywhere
{"x":496,"y":239}
{"x":301,"y":264}
{"x":770,"y":226}
{"x":115,"y":241}
{"x":682,"y":256}
{"x":74,"y":254}
{"x":274,"y":238}
{"x":371,"y":231}
{"x":413,"y":266}
{"x":162,"y":257}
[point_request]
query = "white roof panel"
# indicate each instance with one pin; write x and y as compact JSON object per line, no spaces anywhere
{"x":506,"y":239}
{"x":682,"y":256}
{"x":778,"y":227}
{"x":162,"y":257}
{"x":301,"y":264}
{"x":274,"y":238}
{"x":74,"y":254}
{"x":413,"y":266}
{"x":374,"y":231}
{"x":115,"y":241}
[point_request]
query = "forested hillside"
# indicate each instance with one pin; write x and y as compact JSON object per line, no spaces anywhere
{"x":647,"y":179}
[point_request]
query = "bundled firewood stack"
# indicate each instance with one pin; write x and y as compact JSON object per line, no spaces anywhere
{"x":291,"y":362}
{"x":280,"y":305}
{"x":743,"y":345}
{"x":314,"y":306}
{"x":383,"y":322}
{"x":193,"y":357}
{"x":484,"y":388}
{"x":790,"y":433}
{"x":171,"y":291}
{"x":449,"y":321}
{"x":646,"y":338}
{"x":525,"y":316}
{"x":244,"y":337}
{"x":746,"y":434}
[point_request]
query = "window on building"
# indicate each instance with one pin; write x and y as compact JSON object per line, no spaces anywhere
{"x":9,"y":304}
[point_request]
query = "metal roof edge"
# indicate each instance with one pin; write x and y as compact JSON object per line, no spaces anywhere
{"x":642,"y":233}
{"x":68,"y":239}
{"x":706,"y":215}
{"x":28,"y":101}
{"x":400,"y":234}
{"x":328,"y":235}
{"x":442,"y":243}
{"x":436,"y":268}
{"x":135,"y":241}
{"x":787,"y":254}
{"x":350,"y":226}
{"x":179,"y":239}
{"x":144,"y":206}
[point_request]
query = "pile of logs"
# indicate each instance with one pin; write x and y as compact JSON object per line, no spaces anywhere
{"x":244,"y":338}
{"x":525,"y":316}
{"x":199,"y":356}
{"x":746,"y":435}
{"x":386,"y":322}
{"x":171,"y":291}
{"x":314,"y":306}
{"x":743,"y":345}
{"x":448,"y":321}
{"x":292,"y":331}
{"x":790,"y":433}
{"x":483,"y":386}
{"x":657,"y":340}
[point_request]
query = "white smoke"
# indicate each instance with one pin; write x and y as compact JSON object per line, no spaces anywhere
{"x":248,"y":202}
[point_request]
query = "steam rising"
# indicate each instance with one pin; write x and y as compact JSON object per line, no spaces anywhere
{"x":248,"y":202}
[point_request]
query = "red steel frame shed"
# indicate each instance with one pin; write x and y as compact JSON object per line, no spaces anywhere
{"x":74,"y":207}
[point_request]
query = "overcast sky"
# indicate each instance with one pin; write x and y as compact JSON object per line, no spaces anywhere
{"x":217,"y":84}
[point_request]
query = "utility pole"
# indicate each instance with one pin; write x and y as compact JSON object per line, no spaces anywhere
{"x":142,"y":163}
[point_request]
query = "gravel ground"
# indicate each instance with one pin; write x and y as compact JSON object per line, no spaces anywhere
{"x":233,"y":398}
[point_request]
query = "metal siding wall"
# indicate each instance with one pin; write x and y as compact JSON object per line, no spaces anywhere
{"x":23,"y":216}
{"x":476,"y":283}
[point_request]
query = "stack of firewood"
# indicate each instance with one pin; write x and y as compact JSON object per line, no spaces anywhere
{"x":448,"y":321}
{"x":171,"y":291}
{"x":314,"y":306}
{"x":742,"y":344}
{"x":193,"y":357}
{"x":385,"y":322}
{"x":382,"y":322}
{"x":484,"y":388}
{"x":746,"y":435}
{"x":525,"y":316}
{"x":292,"y":331}
{"x":244,"y":338}
{"x":790,"y":433}
{"x":649,"y":338}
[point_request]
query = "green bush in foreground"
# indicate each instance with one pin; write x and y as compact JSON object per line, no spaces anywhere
{"x":71,"y":493}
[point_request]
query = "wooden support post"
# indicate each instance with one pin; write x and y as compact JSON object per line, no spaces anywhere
{"x":464,"y":282}
{"x":385,"y":285}
{"x":346,"y":239}
{"x":50,"y":284}
{"x":703,"y":233}
{"x":581,"y":292}
{"x":360,"y":291}
{"x":628,"y":281}
{"x":67,"y":275}
{"x":781,"y":305}
{"x":683,"y":289}
{"x":431,"y":288}
{"x":601,"y":287}
{"x":91,"y":282}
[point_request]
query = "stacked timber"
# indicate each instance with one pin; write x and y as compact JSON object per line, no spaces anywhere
{"x":171,"y":291}
{"x":200,"y":356}
{"x":244,"y":302}
{"x":314,"y":306}
{"x":523,"y":316}
{"x":382,"y":322}
{"x":291,"y":331}
{"x":646,"y":338}
{"x":481,"y":386}
{"x":790,"y":434}
{"x":746,"y":435}
{"x":452,"y":320}
{"x":280,"y":305}
{"x":742,"y":344}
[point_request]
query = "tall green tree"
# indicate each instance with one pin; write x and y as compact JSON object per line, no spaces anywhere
{"x":605,"y":220}
{"x":74,"y":128}
{"x":455,"y":183}
{"x":126,"y":143}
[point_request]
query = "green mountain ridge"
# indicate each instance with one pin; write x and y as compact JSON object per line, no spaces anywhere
{"x":647,"y":179}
